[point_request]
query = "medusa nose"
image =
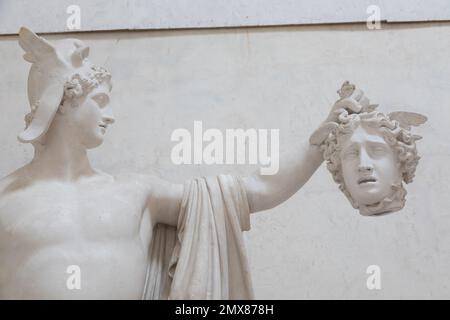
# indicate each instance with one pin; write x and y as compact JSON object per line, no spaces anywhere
{"x":365,"y":163}
{"x":366,"y":169}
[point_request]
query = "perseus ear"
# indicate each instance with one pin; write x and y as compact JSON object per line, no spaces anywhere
{"x":408,"y":119}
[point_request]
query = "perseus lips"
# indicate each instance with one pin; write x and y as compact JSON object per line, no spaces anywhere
{"x":366,"y":180}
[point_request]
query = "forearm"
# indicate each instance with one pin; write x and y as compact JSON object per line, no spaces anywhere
{"x":295,"y":168}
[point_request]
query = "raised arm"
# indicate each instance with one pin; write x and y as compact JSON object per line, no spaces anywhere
{"x":298,"y":165}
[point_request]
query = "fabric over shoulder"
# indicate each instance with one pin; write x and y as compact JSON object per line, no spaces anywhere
{"x":205,"y":256}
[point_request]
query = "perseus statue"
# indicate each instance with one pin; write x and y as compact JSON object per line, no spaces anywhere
{"x":58,"y":211}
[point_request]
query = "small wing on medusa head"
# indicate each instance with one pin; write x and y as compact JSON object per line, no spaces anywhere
{"x":408,"y":119}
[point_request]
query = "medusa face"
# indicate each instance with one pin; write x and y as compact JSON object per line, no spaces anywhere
{"x":370,"y":166}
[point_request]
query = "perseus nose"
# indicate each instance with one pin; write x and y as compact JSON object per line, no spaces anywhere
{"x":108,"y":120}
{"x":108,"y":117}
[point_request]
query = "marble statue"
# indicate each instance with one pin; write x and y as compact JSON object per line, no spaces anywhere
{"x":58,"y":211}
{"x":370,"y":154}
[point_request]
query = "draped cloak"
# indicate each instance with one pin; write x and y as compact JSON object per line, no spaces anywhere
{"x":205,"y":256}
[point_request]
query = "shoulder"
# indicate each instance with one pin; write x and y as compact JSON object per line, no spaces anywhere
{"x":4,"y":182}
{"x":138,"y":180}
{"x":137,"y":184}
{"x":15,"y":180}
{"x":151,"y":182}
{"x":163,"y":197}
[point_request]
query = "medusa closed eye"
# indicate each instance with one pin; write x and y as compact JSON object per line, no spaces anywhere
{"x":350,"y":153}
{"x":378,"y":149}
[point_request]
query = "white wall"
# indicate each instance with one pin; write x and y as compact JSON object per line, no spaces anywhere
{"x":314,"y":245}
{"x":50,"y":16}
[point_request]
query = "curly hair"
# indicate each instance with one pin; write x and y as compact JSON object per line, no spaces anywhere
{"x":78,"y":86}
{"x":400,"y":139}
{"x":81,"y":84}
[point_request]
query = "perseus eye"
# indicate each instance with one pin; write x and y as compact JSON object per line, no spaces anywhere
{"x":102,"y":99}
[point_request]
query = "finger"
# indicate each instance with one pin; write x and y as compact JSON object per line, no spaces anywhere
{"x":338,"y":111}
{"x":358,"y":95}
{"x":349,"y":104}
{"x":364,"y":102}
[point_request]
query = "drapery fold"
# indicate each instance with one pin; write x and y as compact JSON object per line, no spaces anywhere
{"x":205,"y":256}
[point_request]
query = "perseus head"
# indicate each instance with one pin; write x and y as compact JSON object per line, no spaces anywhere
{"x":66,"y":90}
{"x":371,"y":155}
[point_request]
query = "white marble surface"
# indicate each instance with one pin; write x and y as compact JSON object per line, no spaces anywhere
{"x":314,"y":245}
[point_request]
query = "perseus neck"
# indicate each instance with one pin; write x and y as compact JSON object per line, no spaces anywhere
{"x":61,"y":161}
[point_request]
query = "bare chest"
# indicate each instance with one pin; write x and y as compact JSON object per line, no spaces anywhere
{"x":50,"y":212}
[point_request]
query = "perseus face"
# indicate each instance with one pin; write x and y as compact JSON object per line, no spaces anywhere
{"x":369,"y":166}
{"x":92,"y":116}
